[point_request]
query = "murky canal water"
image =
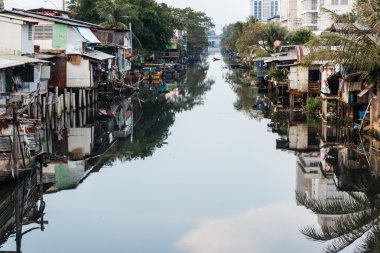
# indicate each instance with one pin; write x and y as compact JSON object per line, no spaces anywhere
{"x":201,"y":177}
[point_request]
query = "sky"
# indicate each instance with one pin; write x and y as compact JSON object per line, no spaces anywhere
{"x":221,"y":11}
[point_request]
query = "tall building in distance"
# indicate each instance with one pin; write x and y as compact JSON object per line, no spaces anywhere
{"x":309,"y":14}
{"x":264,"y":9}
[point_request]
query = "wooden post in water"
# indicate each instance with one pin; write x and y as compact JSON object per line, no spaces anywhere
{"x":56,"y":98}
{"x":80,"y":99}
{"x":80,"y":114}
{"x":66,"y":99}
{"x":44,"y":107}
{"x":50,"y":104}
{"x":88,"y":98}
{"x":73,"y":101}
{"x":59,"y":106}
{"x":84,"y":98}
{"x":40,"y":108}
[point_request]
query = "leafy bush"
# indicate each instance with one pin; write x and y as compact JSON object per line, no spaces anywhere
{"x":313,"y":105}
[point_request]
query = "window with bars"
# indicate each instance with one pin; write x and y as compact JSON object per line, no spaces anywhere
{"x":2,"y":81}
{"x":30,"y":31}
{"x":43,"y":32}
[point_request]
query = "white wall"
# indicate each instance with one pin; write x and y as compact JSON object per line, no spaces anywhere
{"x":74,"y":42}
{"x":10,"y":38}
{"x":27,"y":42}
{"x":298,"y":136}
{"x":80,"y":138}
{"x":299,"y":78}
{"x":79,"y":75}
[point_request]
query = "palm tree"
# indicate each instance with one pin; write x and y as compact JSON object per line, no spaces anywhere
{"x":272,"y":33}
{"x":355,"y":45}
{"x":113,"y":12}
{"x":359,"y":220}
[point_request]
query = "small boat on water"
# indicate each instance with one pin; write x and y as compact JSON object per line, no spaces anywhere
{"x":152,"y":71}
{"x":215,"y":59}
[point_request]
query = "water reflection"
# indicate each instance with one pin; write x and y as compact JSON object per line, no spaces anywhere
{"x":160,"y":103}
{"x":21,"y":208}
{"x":84,"y":141}
{"x":337,"y":169}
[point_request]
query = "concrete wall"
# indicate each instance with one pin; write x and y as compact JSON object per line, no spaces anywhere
{"x":27,"y":39}
{"x":79,"y":76}
{"x":298,"y":136}
{"x":80,"y":140}
{"x":11,"y":38}
{"x":299,"y":78}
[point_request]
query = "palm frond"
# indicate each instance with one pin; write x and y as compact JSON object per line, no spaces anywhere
{"x":332,"y":206}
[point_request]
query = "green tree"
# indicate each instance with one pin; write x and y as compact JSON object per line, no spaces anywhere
{"x":84,"y":10}
{"x":195,"y":23}
{"x":113,"y":13}
{"x":271,"y":34}
{"x":299,"y":37}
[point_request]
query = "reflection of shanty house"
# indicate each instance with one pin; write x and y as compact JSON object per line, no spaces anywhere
{"x":300,"y":137}
{"x":307,"y":172}
{"x":70,"y":168}
{"x":315,"y":185}
{"x":23,"y":196}
{"x":349,"y":166}
{"x":81,"y":147}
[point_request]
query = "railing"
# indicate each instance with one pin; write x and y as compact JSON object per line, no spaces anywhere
{"x":170,"y":55}
{"x":314,"y":87}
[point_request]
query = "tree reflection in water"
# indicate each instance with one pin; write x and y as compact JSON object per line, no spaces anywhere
{"x":356,"y":211}
{"x":156,"y":115}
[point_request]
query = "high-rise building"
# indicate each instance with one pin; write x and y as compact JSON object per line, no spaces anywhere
{"x":264,"y":9}
{"x":309,"y":14}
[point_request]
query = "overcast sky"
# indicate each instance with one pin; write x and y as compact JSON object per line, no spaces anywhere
{"x":221,"y":11}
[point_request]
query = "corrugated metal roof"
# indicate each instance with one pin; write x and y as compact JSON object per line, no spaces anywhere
{"x":98,"y":55}
{"x":282,"y":58}
{"x":8,"y":63}
{"x":24,"y":13}
{"x":88,"y":35}
{"x":18,"y":18}
{"x":261,"y":59}
{"x":21,"y":59}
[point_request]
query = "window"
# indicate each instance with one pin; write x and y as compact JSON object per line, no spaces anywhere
{"x":43,"y":32}
{"x":344,"y":2}
{"x":2,"y":81}
{"x":30,"y":32}
{"x":257,"y":9}
{"x":334,"y":2}
{"x":314,"y":5}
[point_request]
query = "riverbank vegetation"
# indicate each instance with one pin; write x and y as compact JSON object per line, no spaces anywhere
{"x":153,"y":24}
{"x":252,"y":39}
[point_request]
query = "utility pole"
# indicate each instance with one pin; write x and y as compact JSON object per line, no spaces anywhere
{"x":63,"y":5}
{"x":1,"y":5}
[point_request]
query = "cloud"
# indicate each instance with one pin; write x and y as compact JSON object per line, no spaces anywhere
{"x":270,"y":229}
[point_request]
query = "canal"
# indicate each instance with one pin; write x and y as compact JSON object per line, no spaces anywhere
{"x":201,"y":175}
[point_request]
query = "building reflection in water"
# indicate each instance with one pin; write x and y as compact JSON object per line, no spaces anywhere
{"x":21,"y":206}
{"x":337,"y":178}
{"x":83,"y":141}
